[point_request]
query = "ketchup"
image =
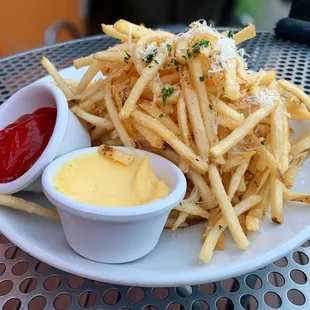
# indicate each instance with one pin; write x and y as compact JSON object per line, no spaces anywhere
{"x":23,"y":142}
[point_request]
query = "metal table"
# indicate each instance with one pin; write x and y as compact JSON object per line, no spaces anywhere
{"x":26,"y":283}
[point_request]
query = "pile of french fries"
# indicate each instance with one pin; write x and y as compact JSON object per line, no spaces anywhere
{"x":190,"y":98}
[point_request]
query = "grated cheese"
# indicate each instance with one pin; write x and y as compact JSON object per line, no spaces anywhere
{"x":289,"y":115}
{"x":151,"y":48}
{"x":242,"y":53}
{"x":224,"y":51}
{"x":266,"y":97}
{"x":201,"y":26}
{"x":153,"y":104}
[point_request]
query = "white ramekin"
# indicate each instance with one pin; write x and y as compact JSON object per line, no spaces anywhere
{"x":115,"y":235}
{"x":68,"y":134}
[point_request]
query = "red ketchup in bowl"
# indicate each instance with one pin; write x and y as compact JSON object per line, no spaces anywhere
{"x":23,"y":142}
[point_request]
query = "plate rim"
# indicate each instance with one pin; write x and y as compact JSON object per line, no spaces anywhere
{"x":148,"y":280}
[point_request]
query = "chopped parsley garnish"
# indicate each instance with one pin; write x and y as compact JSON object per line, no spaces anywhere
{"x":189,"y":54}
{"x":197,"y":46}
{"x":169,"y":47}
{"x":133,"y":37}
{"x":197,"y":159}
{"x":155,"y":60}
{"x":166,"y":92}
{"x":150,"y":67}
{"x":210,"y":107}
{"x":176,"y":63}
{"x":262,"y":142}
{"x":220,"y":227}
{"x":150,"y":57}
{"x":201,"y":78}
{"x":127,"y":57}
{"x":230,"y":34}
{"x":161,"y":115}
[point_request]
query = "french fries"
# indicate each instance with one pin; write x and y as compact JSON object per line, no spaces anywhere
{"x":240,"y":132}
{"x":276,"y":195}
{"x":293,"y":196}
{"x":112,"y":32}
{"x":228,"y":129}
{"x":227,"y":209}
{"x":100,"y":122}
{"x":256,"y":214}
{"x":301,"y":95}
{"x":169,"y":137}
{"x":237,"y":177}
{"x":231,"y":87}
{"x":112,"y":110}
{"x":117,"y":155}
{"x":220,"y":226}
{"x":128,"y":28}
{"x":147,"y":75}
{"x":301,"y":145}
{"x":49,"y":67}
{"x":228,"y":112}
{"x":194,"y":112}
{"x":150,"y":136}
{"x":245,"y":34}
{"x":27,"y":206}
{"x":93,"y":69}
{"x":292,"y":171}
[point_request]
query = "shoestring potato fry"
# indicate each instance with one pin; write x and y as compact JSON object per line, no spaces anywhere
{"x":190,"y":98}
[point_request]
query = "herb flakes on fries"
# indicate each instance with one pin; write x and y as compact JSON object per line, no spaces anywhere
{"x":190,"y":98}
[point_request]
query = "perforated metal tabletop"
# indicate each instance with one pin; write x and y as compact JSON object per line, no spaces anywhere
{"x":26,"y":283}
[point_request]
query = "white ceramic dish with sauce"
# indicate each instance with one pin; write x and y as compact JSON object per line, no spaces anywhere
{"x":63,"y":140}
{"x":109,"y":234}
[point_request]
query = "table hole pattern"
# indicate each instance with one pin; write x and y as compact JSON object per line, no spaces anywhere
{"x":281,"y":285}
{"x":276,"y":279}
{"x":20,"y":268}
{"x":28,"y":285}
{"x":87,"y":299}
{"x":231,"y":285}
{"x":52,"y":283}
{"x":62,"y":301}
{"x":37,"y":303}
{"x":136,"y":294}
{"x":75,"y":282}
{"x":200,"y":305}
{"x":175,"y":306}
{"x":253,"y":281}
{"x":29,"y":288}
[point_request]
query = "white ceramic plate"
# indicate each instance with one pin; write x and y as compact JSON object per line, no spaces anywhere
{"x":174,"y":261}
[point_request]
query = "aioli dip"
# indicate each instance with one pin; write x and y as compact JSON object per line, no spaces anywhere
{"x":98,"y":180}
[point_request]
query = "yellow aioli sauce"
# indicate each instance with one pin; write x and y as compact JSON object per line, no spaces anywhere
{"x":98,"y":180}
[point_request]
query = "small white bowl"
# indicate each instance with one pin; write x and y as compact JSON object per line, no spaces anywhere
{"x":115,"y":235}
{"x":68,"y":134}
